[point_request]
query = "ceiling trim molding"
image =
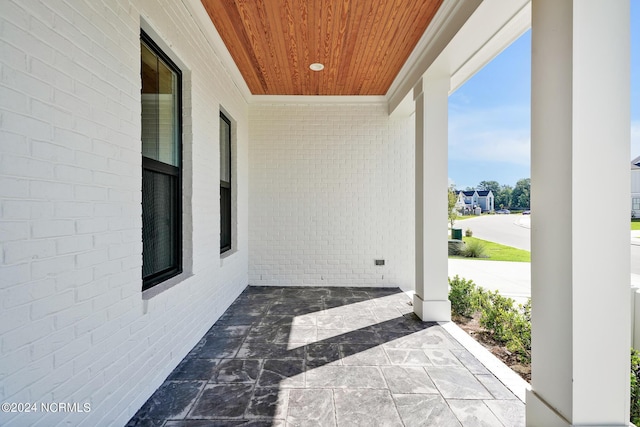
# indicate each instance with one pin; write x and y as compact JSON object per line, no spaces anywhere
{"x":318,"y":99}
{"x":204,"y":23}
{"x":450,"y":18}
{"x":515,"y":27}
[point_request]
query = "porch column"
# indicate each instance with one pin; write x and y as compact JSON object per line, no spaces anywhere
{"x":580,"y":130}
{"x":431,"y":298}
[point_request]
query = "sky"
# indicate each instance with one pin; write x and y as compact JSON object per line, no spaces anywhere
{"x":489,"y":116}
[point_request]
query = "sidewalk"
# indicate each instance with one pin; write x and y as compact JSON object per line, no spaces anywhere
{"x":511,"y":279}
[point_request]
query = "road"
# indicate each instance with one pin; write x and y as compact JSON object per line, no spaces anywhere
{"x":510,"y":230}
{"x":514,"y":230}
{"x":513,"y":279}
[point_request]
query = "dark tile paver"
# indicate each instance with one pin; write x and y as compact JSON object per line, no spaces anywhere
{"x":311,"y":408}
{"x":509,"y":412}
{"x":269,"y":402}
{"x":366,"y":408}
{"x":363,"y":355}
{"x":172,"y":400}
{"x":422,"y":410}
{"x":345,"y":377}
{"x":282,"y":373}
{"x":407,"y":357}
{"x":222,"y":401}
{"x":328,"y":357}
{"x":495,"y":387}
{"x":236,"y":371}
{"x":473,"y":413}
{"x":407,"y":379}
{"x":457,"y":383}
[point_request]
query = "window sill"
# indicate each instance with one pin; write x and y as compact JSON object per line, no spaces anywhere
{"x":164,"y":286}
{"x":228,"y":254}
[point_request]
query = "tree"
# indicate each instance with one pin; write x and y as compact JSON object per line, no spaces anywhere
{"x":503,"y":197}
{"x":494,"y":186}
{"x":453,"y":213}
{"x":521,"y":196}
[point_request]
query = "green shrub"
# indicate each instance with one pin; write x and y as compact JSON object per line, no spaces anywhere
{"x":468,"y":232}
{"x":509,"y":324}
{"x":480,"y":299}
{"x":461,"y":293}
{"x":474,"y":249}
{"x":635,"y":387}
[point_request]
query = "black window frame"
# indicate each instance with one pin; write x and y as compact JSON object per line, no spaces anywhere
{"x":159,"y":167}
{"x":226,"y":195}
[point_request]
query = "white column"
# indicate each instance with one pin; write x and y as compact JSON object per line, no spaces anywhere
{"x":580,"y":129}
{"x":431,"y":298}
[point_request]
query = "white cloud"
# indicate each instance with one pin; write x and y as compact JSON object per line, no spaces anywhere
{"x":490,"y":135}
{"x":501,"y":135}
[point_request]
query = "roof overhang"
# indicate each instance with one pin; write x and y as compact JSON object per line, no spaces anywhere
{"x":462,"y":38}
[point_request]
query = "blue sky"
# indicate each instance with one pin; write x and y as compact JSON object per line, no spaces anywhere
{"x":489,"y":116}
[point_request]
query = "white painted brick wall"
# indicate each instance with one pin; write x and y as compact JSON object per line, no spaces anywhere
{"x":74,"y":326}
{"x":331,"y":190}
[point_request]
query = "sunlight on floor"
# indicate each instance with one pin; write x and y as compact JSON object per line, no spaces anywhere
{"x":332,"y":322}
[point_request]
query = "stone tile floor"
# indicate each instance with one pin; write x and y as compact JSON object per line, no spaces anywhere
{"x":328,"y":357}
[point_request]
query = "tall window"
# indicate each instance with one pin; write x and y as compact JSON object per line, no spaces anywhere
{"x":225,"y":183}
{"x":161,"y":165}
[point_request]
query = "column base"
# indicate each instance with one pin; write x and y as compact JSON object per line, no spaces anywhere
{"x":540,"y":414}
{"x":432,"y":311}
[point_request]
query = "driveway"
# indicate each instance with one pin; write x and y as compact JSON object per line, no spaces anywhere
{"x":511,"y":279}
{"x":515,"y":231}
{"x":510,"y":230}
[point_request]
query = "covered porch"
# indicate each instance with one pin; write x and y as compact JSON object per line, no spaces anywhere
{"x":333,"y":356}
{"x":335,"y":206}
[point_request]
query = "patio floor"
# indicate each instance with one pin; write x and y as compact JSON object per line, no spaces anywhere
{"x":329,"y":357}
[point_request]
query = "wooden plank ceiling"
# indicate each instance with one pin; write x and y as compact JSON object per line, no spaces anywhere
{"x":362,"y":43}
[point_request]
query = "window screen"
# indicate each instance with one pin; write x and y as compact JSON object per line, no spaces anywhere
{"x":225,"y":183}
{"x":161,"y":165}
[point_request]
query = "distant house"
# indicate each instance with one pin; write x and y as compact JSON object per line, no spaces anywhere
{"x":468,"y":200}
{"x":635,"y":188}
{"x":486,"y":200}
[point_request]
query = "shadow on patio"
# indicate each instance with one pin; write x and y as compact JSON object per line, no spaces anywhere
{"x":327,"y":357}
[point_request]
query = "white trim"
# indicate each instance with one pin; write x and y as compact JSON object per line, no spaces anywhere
{"x":515,"y":27}
{"x":317,"y":99}
{"x":502,"y":372}
{"x":445,"y":28}
{"x":161,"y":287}
{"x":445,"y":24}
{"x":210,"y":33}
{"x":489,"y":29}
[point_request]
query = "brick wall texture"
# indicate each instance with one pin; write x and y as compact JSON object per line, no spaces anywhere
{"x":321,"y":191}
{"x":331,"y":190}
{"x":74,"y":326}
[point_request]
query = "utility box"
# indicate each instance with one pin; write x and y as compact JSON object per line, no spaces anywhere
{"x":456,"y":233}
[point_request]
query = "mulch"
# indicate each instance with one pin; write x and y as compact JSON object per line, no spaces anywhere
{"x":477,"y":332}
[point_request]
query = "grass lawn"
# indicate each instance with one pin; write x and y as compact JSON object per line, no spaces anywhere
{"x":635,"y":224}
{"x":498,"y":252}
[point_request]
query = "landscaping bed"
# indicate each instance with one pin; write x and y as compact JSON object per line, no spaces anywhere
{"x":496,"y":322}
{"x":504,"y":328}
{"x":471,"y":325}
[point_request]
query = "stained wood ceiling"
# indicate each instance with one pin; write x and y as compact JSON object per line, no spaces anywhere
{"x":362,"y":43}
